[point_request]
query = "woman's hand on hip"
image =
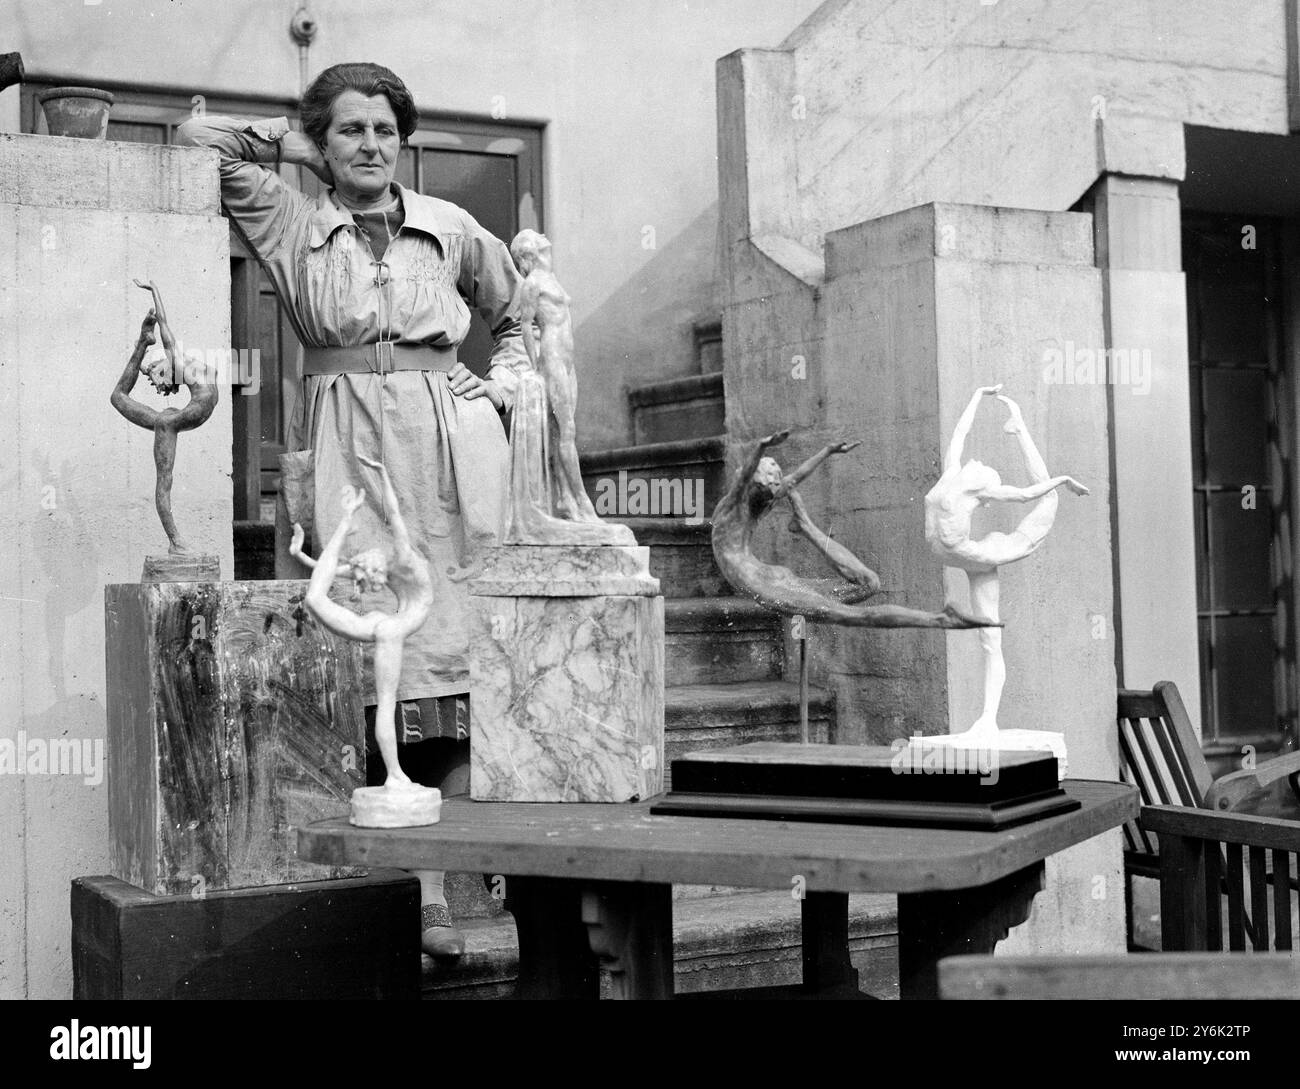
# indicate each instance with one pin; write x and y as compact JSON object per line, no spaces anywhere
{"x":465,"y":383}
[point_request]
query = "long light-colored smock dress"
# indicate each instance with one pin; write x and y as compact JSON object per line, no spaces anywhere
{"x":448,"y":457}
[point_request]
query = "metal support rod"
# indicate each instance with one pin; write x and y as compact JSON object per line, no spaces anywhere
{"x":800,"y":628}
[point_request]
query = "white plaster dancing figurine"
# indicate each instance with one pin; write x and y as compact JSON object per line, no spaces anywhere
{"x":948,"y":509}
{"x":399,"y":802}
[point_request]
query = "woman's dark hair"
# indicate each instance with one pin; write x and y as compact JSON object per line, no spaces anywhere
{"x":317,"y":106}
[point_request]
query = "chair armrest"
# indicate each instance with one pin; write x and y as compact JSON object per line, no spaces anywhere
{"x":1229,"y":792}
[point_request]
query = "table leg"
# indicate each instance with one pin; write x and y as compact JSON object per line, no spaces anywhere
{"x":825,"y":922}
{"x":555,"y":960}
{"x":630,"y":926}
{"x":934,"y":925}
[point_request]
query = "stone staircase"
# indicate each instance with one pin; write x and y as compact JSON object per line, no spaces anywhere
{"x":724,"y":671}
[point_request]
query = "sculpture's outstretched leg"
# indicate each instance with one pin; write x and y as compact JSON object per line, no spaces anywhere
{"x":1038,"y":522}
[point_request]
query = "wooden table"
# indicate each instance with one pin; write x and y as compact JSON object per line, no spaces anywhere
{"x":591,"y":884}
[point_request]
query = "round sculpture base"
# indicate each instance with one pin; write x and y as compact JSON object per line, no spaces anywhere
{"x":396,"y":806}
{"x":1003,"y":741}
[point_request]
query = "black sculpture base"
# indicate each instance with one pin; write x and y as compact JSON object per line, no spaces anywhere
{"x":859,"y":784}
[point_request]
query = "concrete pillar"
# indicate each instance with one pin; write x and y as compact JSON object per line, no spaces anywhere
{"x":82,"y":218}
{"x":1138,"y":232}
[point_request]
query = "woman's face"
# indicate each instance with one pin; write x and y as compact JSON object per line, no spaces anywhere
{"x":361,"y":146}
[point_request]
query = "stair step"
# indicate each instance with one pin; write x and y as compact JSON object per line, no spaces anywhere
{"x":721,"y":639}
{"x":678,"y":408}
{"x":683,"y":479}
{"x":708,"y":344}
{"x":747,"y":939}
{"x":681,"y":556}
{"x":469,"y":898}
{"x":701,"y":717}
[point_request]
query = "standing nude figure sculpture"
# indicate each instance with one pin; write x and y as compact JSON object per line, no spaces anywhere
{"x":406,"y":573}
{"x":548,"y":500}
{"x":756,"y":488}
{"x":165,"y":374}
{"x":948,"y":509}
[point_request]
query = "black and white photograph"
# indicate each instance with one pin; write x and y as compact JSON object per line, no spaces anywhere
{"x":696,"y":500}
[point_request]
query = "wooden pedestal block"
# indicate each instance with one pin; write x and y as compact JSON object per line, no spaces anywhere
{"x":353,"y":938}
{"x":233,"y":717}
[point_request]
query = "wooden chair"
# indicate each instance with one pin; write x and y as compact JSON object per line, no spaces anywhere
{"x":1147,"y":975}
{"x":1160,"y":754}
{"x":1253,"y":862}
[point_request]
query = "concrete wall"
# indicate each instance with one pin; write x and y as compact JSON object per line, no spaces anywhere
{"x":80,"y":220}
{"x":954,"y":100}
{"x":626,"y":92}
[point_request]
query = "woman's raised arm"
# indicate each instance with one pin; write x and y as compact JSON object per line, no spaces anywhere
{"x":253,"y":194}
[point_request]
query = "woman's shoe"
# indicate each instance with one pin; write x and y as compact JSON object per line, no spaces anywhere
{"x":438,"y":937}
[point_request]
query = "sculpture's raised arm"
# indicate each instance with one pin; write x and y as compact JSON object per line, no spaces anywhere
{"x":139,"y":414}
{"x":952,"y":459}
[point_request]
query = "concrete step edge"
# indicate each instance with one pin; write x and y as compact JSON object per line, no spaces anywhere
{"x":677,"y":532}
{"x":747,"y":695}
{"x":736,"y":924}
{"x":692,"y":387}
{"x":651,"y":455}
{"x":683,"y":614}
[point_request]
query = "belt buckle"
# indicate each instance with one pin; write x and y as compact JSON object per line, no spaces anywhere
{"x":384,"y":357}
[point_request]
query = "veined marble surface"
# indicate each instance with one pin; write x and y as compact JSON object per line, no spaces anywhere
{"x":532,"y":570}
{"x":568,"y":698}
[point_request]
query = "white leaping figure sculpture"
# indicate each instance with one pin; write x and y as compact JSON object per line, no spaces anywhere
{"x":948,"y":509}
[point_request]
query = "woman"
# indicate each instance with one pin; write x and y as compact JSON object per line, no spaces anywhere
{"x":376,"y":279}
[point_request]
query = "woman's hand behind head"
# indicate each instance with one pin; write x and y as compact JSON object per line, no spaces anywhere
{"x":297,"y":149}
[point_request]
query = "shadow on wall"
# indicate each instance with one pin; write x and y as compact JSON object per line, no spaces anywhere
{"x":644,"y":331}
{"x":68,"y":554}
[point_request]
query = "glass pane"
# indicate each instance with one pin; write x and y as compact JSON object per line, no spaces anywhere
{"x":1198,"y":427}
{"x":1243,"y":664}
{"x":1204,"y":632}
{"x":1241,"y":544}
{"x":137,"y":134}
{"x":1230,"y":299}
{"x":484,"y":185}
{"x":268,"y":340}
{"x":1199,"y":507}
{"x":1191,"y":266}
{"x":1236,"y":425}
{"x":405,"y":172}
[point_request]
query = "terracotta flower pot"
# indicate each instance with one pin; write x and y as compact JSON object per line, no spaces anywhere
{"x":76,"y":111}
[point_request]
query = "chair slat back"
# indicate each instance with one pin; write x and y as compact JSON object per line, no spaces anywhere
{"x":1160,"y":755}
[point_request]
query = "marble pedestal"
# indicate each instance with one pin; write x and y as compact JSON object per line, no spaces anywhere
{"x":566,"y":675}
{"x":233,"y":718}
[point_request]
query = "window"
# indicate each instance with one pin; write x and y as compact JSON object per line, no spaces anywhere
{"x":1240,"y":453}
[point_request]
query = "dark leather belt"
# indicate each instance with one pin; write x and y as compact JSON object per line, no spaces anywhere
{"x":383,"y":357}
